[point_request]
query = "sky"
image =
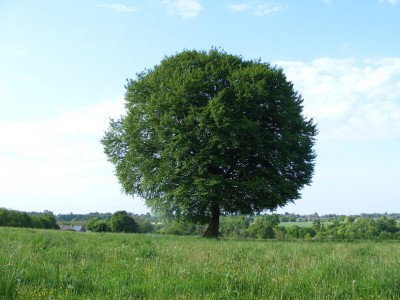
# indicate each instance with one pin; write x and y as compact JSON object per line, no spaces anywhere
{"x":64,"y":65}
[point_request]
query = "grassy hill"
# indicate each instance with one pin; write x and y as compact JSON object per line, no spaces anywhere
{"x":47,"y":264}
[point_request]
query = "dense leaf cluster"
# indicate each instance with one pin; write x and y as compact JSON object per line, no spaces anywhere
{"x":13,"y":218}
{"x":208,"y":133}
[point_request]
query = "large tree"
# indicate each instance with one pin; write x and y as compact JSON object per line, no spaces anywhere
{"x":208,"y":133}
{"x":122,"y":222}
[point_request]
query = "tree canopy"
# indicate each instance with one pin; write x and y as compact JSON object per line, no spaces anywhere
{"x":208,"y":133}
{"x":121,"y":222}
{"x":14,"y":218}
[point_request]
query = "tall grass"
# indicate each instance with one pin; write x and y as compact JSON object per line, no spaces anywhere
{"x":43,"y":264}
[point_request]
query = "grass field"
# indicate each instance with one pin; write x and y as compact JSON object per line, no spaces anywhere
{"x":299,"y":224}
{"x":44,"y":264}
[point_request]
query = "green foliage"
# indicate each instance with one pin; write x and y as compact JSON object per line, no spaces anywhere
{"x":352,"y":228}
{"x":71,"y":217}
{"x":146,"y":227}
{"x":102,"y":226}
{"x":49,"y":221}
{"x":269,"y":227}
{"x":235,"y":226}
{"x":263,"y":227}
{"x":98,"y":225}
{"x":13,"y":218}
{"x":182,"y":228}
{"x":208,"y":133}
{"x":363,"y":228}
{"x":39,"y":264}
{"x":90,"y":224}
{"x":122,"y":222}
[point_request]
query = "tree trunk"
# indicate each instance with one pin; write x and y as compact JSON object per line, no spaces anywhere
{"x":213,"y":226}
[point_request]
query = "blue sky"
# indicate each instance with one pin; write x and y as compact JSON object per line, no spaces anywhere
{"x":64,"y":64}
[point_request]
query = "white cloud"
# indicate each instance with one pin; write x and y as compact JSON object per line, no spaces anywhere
{"x":239,"y":6}
{"x":184,"y":8}
{"x":56,"y":158}
{"x":391,"y":2}
{"x":118,"y":8}
{"x":258,"y":8}
{"x":348,"y":98}
{"x":59,"y":137}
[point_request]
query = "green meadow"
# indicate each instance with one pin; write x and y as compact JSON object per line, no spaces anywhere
{"x":50,"y":264}
{"x":299,"y":224}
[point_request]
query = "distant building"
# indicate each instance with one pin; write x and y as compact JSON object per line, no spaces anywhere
{"x":72,"y":228}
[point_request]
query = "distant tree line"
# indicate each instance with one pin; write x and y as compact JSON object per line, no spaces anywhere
{"x":13,"y":218}
{"x":274,"y":226}
{"x":268,"y":226}
{"x":70,"y":218}
{"x":120,"y":221}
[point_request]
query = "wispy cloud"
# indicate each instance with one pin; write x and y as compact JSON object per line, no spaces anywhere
{"x":350,"y":99}
{"x":391,"y":2}
{"x":239,"y":6}
{"x":185,"y":8}
{"x":118,"y":8}
{"x":258,"y":8}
